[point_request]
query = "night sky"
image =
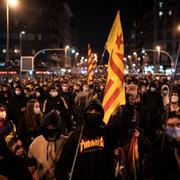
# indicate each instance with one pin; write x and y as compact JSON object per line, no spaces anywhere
{"x":94,"y":19}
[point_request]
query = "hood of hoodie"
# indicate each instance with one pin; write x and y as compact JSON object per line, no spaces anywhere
{"x":52,"y":118}
{"x":165,"y":87}
{"x":94,"y":104}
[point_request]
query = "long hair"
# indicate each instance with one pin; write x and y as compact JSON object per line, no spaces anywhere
{"x":32,"y":120}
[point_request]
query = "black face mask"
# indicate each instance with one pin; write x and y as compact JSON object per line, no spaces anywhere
{"x":76,"y":91}
{"x":91,"y":86}
{"x":93,"y":120}
{"x":51,"y":133}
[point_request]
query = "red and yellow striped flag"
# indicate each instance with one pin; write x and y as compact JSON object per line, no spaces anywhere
{"x":90,"y":64}
{"x":114,"y":91}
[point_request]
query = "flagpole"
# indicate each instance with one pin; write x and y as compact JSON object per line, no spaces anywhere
{"x":76,"y":153}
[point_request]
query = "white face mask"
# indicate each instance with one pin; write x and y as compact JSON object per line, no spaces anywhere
{"x":65,"y":89}
{"x":54,"y":94}
{"x":85,"y":89}
{"x":165,"y":92}
{"x":37,"y":110}
{"x":38,"y":94}
{"x":143,"y":90}
{"x":41,"y":84}
{"x":18,"y":93}
{"x":2,"y":114}
{"x":173,"y":132}
{"x":14,"y":85}
{"x":174,"y":99}
{"x":152,"y":89}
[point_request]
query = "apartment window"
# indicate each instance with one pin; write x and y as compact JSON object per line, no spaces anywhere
{"x":170,"y":13}
{"x":161,"y":4}
{"x":160,"y":14}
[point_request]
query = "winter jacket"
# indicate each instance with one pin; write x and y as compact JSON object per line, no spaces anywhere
{"x":47,"y":152}
{"x":96,"y":148}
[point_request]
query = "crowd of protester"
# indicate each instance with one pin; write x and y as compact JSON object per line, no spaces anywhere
{"x":52,"y":128}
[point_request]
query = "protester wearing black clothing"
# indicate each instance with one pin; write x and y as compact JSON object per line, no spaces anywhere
{"x":40,"y":96}
{"x":28,"y":127}
{"x":96,"y":147}
{"x":53,"y":101}
{"x":5,"y":95}
{"x":16,"y":106}
{"x":68,"y":100}
{"x":153,"y":109}
{"x":11,"y":166}
{"x":163,"y":159}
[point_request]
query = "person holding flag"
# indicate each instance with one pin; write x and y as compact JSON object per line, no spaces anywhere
{"x":89,"y":151}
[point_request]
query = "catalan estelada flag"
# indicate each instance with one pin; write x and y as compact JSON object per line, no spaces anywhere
{"x":90,"y":64}
{"x":114,"y":94}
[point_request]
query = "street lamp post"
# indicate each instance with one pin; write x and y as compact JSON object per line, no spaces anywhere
{"x":159,"y":50}
{"x":8,"y":3}
{"x":76,"y":57}
{"x":158,"y":60}
{"x":20,"y":51}
{"x":50,"y":50}
{"x":65,"y":55}
{"x":7,"y":33}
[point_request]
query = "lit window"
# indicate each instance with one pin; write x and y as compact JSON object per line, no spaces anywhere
{"x":170,"y":13}
{"x":160,"y":13}
{"x":160,"y":4}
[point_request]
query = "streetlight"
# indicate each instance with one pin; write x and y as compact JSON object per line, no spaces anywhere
{"x":12,"y":3}
{"x":20,"y":51}
{"x":158,"y":61}
{"x":50,"y":50}
{"x":76,"y":55}
{"x":65,"y":55}
{"x":164,"y":52}
{"x":158,"y":48}
{"x":20,"y":42}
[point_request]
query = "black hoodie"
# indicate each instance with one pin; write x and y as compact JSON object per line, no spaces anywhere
{"x":96,"y":148}
{"x":44,"y":151}
{"x":52,"y":118}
